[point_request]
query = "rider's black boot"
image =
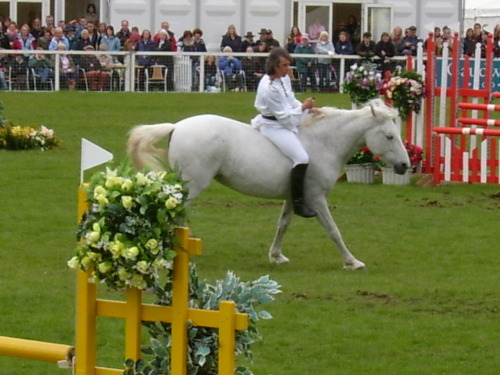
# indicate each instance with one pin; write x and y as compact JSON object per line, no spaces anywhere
{"x":299,"y":206}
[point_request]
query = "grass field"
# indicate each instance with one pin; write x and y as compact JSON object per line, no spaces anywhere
{"x":427,"y":304}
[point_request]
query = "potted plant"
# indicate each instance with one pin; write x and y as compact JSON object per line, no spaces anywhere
{"x":362,"y":83}
{"x":361,"y":167}
{"x":406,"y":90}
{"x":415,"y":154}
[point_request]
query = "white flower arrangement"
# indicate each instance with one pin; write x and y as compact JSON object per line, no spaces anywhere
{"x":127,"y":234}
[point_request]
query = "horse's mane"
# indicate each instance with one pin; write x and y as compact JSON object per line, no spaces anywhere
{"x":375,"y":107}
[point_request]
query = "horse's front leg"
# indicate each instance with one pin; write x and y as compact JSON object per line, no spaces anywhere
{"x":326,"y":220}
{"x":275,"y":254}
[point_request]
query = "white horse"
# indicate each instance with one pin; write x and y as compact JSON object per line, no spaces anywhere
{"x":207,"y":146}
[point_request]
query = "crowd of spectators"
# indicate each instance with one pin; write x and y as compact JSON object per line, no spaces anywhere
{"x":238,"y":73}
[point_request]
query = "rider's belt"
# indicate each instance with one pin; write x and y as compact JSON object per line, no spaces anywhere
{"x":273,"y":118}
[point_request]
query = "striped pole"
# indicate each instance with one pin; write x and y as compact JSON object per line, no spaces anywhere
{"x":478,"y":121}
{"x":480,"y":107}
{"x":467,"y":131}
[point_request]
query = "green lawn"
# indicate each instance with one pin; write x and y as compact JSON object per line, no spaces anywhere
{"x":427,"y":304}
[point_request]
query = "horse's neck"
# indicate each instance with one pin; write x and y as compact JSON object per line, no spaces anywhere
{"x":344,"y":135}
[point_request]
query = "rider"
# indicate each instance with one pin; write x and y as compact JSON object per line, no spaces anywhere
{"x":280,"y":116}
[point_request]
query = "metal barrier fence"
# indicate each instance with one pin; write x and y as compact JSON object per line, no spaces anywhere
{"x":126,"y":74}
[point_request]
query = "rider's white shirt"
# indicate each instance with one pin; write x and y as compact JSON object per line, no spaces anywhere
{"x":276,"y":98}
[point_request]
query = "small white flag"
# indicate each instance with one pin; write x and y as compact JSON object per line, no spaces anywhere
{"x":92,"y":155}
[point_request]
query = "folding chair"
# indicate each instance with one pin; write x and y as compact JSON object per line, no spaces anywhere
{"x":36,"y":79}
{"x":158,"y":76}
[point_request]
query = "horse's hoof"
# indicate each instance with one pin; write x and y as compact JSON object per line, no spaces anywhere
{"x":355,"y":265}
{"x":279,"y":259}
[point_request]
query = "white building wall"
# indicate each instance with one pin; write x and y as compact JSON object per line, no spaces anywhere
{"x":214,"y":16}
{"x":426,"y":14}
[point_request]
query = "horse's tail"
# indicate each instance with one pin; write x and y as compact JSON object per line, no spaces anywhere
{"x":141,"y":147}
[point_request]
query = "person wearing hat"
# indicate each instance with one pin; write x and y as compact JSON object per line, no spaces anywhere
{"x":408,"y":45}
{"x":69,"y":32}
{"x":96,"y":77}
{"x":281,"y":115}
{"x":248,"y":42}
{"x":262,"y":36}
{"x":270,"y":41}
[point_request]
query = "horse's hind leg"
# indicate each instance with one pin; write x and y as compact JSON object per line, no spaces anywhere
{"x":326,"y":220}
{"x":275,"y":254}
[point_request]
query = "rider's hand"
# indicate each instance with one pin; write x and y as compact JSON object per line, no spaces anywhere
{"x":308,"y":104}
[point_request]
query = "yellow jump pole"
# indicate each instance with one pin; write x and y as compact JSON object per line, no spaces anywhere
{"x":37,"y":350}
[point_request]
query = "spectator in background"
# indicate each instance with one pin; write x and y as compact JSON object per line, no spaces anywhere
{"x":247,"y":42}
{"x":4,"y":66}
{"x":254,"y":69}
{"x":478,"y":32}
{"x":67,"y":68}
{"x":42,"y":66}
{"x":324,"y":47}
{"x":49,"y":21}
{"x":293,"y":39}
{"x":36,"y":28}
{"x":496,"y":41}
{"x":469,"y":43}
{"x":231,"y":68}
{"x":344,"y":45}
{"x":270,"y":41}
{"x":354,"y":31}
{"x":26,"y":41}
{"x":397,"y":37}
{"x":448,"y":38}
{"x":145,"y":44}
{"x":4,"y":40}
{"x":231,"y":39}
{"x":408,"y":45}
{"x":71,"y":36}
{"x":111,"y":42}
{"x":101,"y":32}
{"x":131,"y":42}
{"x":366,"y":49}
{"x":124,"y":32}
{"x":96,"y":77}
{"x":84,"y":40}
{"x":93,"y":35}
{"x":385,"y":50}
{"x":166,"y":26}
{"x":91,"y":14}
{"x":44,"y":41}
{"x":19,"y":67}
{"x":210,"y":80}
{"x":58,"y":38}
{"x":306,"y":66}
{"x":164,"y":45}
{"x":262,"y":36}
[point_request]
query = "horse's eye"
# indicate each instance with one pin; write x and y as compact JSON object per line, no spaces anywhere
{"x":390,"y":137}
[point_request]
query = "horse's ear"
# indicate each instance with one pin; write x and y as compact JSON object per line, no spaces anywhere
{"x":374,"y":113}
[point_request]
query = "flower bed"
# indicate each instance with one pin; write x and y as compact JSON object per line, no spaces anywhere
{"x":15,"y":137}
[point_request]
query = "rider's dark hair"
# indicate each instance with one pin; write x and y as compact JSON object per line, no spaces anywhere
{"x":274,"y":59}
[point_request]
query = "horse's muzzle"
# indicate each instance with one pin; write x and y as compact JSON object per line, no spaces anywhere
{"x":400,"y":168}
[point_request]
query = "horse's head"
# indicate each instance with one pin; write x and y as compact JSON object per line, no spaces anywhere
{"x":383,"y":137}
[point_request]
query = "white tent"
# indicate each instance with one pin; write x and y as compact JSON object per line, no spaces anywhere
{"x":485,"y":12}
